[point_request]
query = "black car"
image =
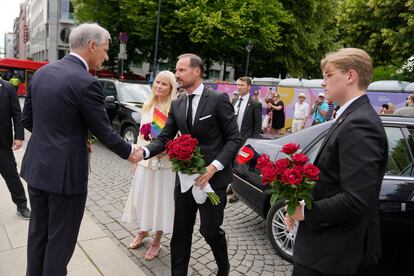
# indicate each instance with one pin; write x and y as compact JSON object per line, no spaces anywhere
{"x":396,"y":197}
{"x":123,"y":102}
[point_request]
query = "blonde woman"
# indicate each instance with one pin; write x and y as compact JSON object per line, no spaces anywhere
{"x":150,"y":202}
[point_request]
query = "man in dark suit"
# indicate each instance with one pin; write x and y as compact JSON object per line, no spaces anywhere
{"x":10,"y":118}
{"x":209,"y":117}
{"x":249,"y":117}
{"x":340,"y":234}
{"x":63,"y":102}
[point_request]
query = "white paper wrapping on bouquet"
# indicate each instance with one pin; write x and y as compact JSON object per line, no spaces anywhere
{"x":292,"y":232}
{"x":188,"y":181}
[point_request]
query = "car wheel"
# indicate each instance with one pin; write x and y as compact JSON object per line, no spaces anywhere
{"x":277,"y":232}
{"x":130,"y":134}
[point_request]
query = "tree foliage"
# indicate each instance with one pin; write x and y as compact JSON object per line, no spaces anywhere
{"x":384,"y":28}
{"x":288,"y":36}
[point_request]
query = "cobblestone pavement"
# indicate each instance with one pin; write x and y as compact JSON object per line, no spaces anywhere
{"x":250,"y":251}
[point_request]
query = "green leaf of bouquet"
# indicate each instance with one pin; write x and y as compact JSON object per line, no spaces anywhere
{"x":291,"y":208}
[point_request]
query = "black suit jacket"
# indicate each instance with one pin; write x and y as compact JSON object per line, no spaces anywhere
{"x":252,"y":120}
{"x":62,"y":103}
{"x":9,"y":111}
{"x":341,"y":232}
{"x":214,"y":126}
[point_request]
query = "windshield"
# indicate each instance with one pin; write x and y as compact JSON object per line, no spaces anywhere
{"x":134,"y":92}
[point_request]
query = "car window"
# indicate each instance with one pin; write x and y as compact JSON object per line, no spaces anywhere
{"x":109,"y":89}
{"x":134,"y":92}
{"x":399,"y":160}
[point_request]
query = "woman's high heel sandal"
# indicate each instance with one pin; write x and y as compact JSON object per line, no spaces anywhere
{"x":153,"y":251}
{"x":137,"y":242}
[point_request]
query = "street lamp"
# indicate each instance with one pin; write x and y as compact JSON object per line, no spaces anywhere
{"x":155,"y":64}
{"x":249,"y":47}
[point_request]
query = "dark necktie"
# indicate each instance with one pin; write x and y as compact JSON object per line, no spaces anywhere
{"x":238,"y":106}
{"x":190,"y":112}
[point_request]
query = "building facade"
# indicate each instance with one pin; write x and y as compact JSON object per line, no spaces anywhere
{"x":49,"y":24}
{"x":9,"y":45}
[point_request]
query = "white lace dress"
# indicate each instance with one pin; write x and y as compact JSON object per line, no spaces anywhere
{"x":150,"y":202}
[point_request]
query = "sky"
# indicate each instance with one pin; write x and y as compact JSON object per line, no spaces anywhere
{"x":9,"y":10}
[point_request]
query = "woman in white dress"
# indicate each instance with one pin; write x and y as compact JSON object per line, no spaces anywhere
{"x":150,"y":202}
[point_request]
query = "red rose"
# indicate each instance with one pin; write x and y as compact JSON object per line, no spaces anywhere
{"x":145,"y":130}
{"x":300,"y":159}
{"x":292,"y":177}
{"x":290,"y":148}
{"x":263,"y":161}
{"x":311,"y":171}
{"x":281,"y":165}
{"x":268,"y":173}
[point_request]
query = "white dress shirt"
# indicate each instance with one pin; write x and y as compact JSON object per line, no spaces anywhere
{"x":345,"y":106}
{"x":82,"y":59}
{"x":301,"y":110}
{"x":194,"y":104}
{"x":240,"y":111}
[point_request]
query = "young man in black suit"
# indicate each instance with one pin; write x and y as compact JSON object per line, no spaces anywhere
{"x":340,"y":234}
{"x":10,"y":115}
{"x":64,"y":101}
{"x":209,"y":117}
{"x":249,"y":117}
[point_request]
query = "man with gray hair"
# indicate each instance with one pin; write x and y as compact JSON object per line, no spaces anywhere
{"x":63,"y":103}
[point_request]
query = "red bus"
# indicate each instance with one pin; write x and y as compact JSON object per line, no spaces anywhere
{"x":22,"y":69}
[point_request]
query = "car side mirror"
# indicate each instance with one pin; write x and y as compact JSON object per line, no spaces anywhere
{"x":110,"y":101}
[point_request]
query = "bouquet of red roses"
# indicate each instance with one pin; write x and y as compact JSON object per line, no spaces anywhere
{"x":187,"y":160}
{"x":291,"y":178}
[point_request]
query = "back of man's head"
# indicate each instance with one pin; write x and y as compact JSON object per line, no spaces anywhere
{"x":81,"y":35}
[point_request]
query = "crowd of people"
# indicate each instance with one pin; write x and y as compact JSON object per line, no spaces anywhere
{"x":340,"y":230}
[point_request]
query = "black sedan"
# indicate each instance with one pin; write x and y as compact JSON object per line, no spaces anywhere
{"x":123,"y":102}
{"x":396,"y":197}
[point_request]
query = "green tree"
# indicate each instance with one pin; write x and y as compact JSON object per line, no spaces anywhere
{"x":385,"y":29}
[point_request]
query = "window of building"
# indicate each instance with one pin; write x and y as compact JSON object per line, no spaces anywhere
{"x":66,"y":9}
{"x":214,"y":74}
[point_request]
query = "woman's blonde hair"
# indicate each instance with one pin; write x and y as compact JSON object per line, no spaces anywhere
{"x":164,"y":107}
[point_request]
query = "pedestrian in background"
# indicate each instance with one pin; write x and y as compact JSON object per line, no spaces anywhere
{"x":300,"y":114}
{"x":10,"y":115}
{"x":408,"y":110}
{"x":278,"y":114}
{"x":249,"y":117}
{"x":319,"y":110}
{"x":150,"y":202}
{"x":331,"y":109}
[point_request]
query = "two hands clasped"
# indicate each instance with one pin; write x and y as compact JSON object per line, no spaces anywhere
{"x":297,"y":216}
{"x":201,"y":181}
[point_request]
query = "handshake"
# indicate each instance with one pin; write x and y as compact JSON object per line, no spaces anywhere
{"x":137,"y":154}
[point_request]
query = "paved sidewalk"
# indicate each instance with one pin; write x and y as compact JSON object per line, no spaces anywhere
{"x":95,"y":253}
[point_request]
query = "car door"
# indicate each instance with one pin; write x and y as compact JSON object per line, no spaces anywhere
{"x":109,"y":89}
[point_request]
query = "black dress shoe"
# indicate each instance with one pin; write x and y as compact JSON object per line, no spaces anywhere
{"x":24,"y":213}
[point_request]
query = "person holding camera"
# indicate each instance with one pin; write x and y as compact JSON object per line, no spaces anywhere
{"x":319,"y":110}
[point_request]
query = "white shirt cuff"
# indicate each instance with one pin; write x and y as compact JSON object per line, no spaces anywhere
{"x":216,"y":164}
{"x":146,"y":152}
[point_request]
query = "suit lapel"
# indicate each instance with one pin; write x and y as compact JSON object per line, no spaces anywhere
{"x":181,"y":114}
{"x":247,"y":110}
{"x":357,"y":103}
{"x":200,"y":107}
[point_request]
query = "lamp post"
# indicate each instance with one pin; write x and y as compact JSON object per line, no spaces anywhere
{"x":249,"y":47}
{"x":155,"y":64}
